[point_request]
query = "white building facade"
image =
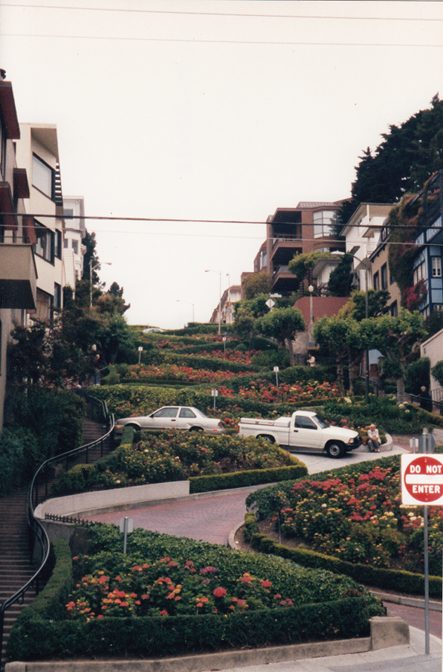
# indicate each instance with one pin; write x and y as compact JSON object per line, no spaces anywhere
{"x":37,"y":152}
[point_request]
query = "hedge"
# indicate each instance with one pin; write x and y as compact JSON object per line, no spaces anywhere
{"x":390,"y":579}
{"x":88,"y":477}
{"x":240,"y":479}
{"x":38,"y":639}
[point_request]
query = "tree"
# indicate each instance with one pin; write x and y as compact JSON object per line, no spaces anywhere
{"x":244,"y":321}
{"x":341,"y":337}
{"x":398,"y":340}
{"x":283,"y":325}
{"x":302,"y":264}
{"x":256,"y":283}
{"x":407,"y":156}
{"x":356,"y":307}
{"x":115,"y":336}
{"x":340,"y":280}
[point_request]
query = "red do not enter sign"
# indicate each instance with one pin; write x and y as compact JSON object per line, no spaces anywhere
{"x":422,"y":479}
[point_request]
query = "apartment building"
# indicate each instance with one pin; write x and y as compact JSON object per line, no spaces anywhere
{"x":18,"y":271}
{"x":74,"y":232}
{"x":226,"y":305}
{"x":37,"y":151}
{"x":428,"y":263}
{"x":290,"y":231}
{"x":363,"y":234}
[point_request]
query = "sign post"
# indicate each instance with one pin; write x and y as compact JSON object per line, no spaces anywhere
{"x":422,"y":484}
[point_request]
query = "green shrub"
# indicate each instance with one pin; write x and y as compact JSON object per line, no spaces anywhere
{"x":328,"y":605}
{"x":417,"y":374}
{"x":20,"y":456}
{"x":386,"y":579}
{"x":54,"y":417}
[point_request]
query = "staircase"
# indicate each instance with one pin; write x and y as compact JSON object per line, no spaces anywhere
{"x":16,"y":567}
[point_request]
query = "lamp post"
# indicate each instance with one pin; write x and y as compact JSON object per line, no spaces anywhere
{"x":311,"y":317}
{"x":365,"y":261}
{"x":191,"y":304}
{"x":91,"y":268}
{"x":209,"y":270}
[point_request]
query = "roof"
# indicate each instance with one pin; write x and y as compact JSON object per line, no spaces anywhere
{"x":317,"y":204}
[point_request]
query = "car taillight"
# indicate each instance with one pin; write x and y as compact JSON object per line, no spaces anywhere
{"x":220,"y":424}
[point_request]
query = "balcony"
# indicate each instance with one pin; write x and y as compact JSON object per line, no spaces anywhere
{"x":284,"y":282}
{"x":18,"y":277}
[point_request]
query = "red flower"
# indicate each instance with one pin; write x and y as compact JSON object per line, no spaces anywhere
{"x":219,"y":592}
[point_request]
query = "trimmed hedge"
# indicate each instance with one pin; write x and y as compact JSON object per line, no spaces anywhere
{"x":390,"y":579}
{"x":241,"y":479}
{"x":38,"y":639}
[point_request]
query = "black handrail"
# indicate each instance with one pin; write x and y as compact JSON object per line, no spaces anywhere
{"x":38,"y":533}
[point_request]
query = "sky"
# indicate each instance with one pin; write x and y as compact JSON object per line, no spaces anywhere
{"x":175,"y":111}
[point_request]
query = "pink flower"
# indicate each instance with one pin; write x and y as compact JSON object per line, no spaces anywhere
{"x":219,"y":592}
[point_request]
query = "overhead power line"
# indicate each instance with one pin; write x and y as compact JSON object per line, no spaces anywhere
{"x":190,"y":220}
{"x":228,"y":14}
{"x":284,"y":43}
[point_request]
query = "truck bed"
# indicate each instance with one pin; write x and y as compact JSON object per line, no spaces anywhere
{"x":254,"y":422}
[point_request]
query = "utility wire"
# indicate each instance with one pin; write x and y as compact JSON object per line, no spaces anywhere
{"x":188,"y":220}
{"x":285,"y":43}
{"x":228,"y":14}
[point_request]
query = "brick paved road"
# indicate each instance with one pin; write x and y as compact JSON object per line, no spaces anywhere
{"x":208,"y":518}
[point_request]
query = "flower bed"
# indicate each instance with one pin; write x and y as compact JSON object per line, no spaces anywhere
{"x":173,"y":372}
{"x":359,"y":518}
{"x":285,"y":393}
{"x":196,"y":597}
{"x":173,"y":456}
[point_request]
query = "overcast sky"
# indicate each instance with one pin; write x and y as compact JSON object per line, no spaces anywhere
{"x":211,"y":110}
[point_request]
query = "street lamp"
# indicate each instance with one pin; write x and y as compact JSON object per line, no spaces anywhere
{"x":91,"y":268}
{"x":209,"y":270}
{"x":191,"y":304}
{"x":365,"y":261}
{"x":311,"y":318}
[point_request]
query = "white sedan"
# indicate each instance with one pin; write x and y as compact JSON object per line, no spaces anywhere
{"x":175,"y":417}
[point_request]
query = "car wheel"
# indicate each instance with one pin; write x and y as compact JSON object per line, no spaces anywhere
{"x":134,"y":427}
{"x":266,"y":437}
{"x":196,"y":429}
{"x":335,"y":449}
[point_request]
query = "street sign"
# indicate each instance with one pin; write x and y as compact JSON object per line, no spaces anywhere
{"x":422,"y":480}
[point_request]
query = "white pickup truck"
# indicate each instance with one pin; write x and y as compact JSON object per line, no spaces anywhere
{"x":303,"y":431}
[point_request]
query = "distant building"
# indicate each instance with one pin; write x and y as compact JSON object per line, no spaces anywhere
{"x":228,"y":298}
{"x":73,"y":248}
{"x":290,"y":231}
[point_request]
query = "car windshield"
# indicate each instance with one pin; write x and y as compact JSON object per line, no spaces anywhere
{"x":322,"y":423}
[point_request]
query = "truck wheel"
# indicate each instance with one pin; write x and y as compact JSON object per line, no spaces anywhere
{"x":335,"y":449}
{"x":266,"y":437}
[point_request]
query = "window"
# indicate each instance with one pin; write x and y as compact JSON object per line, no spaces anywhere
{"x":187,"y":413}
{"x":58,"y":244}
{"x":57,"y":301}
{"x":393,"y":309}
{"x":75,"y":246}
{"x":44,"y":247}
{"x":436,"y":267}
{"x":42,"y":176}
{"x":419,"y":272}
{"x":166,"y":413}
{"x":384,"y":276}
{"x":323,"y":221}
{"x":66,"y":243}
{"x":376,"y":281}
{"x":2,"y":150}
{"x":305,"y":423}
